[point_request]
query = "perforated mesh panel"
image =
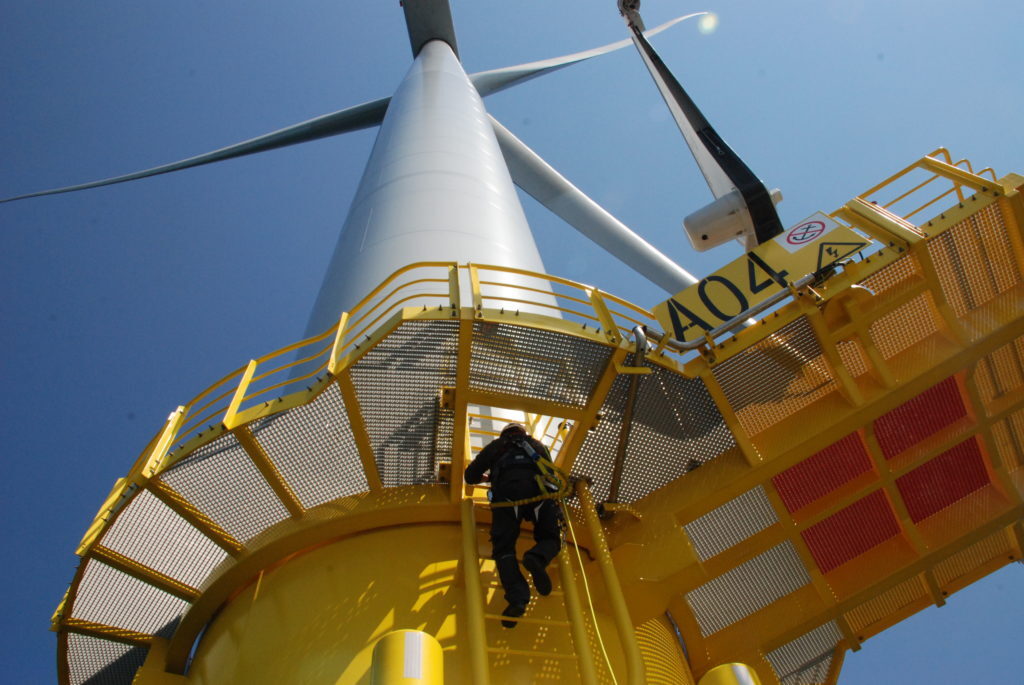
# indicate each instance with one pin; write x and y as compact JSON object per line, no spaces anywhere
{"x":596,"y":456}
{"x":149,"y":532}
{"x":93,"y":661}
{"x":822,"y":472}
{"x":853,"y":357}
{"x":807,"y":659}
{"x":966,"y":560}
{"x":905,"y":326}
{"x":113,"y":598}
{"x":850,"y":532}
{"x":749,"y":587}
{"x":663,"y":659}
{"x":1001,"y":372}
{"x":222,"y":481}
{"x":314,"y":450}
{"x":398,"y":383}
{"x":731,"y":523}
{"x":1008,"y":435}
{"x":776,"y":377}
{"x":676,"y":427}
{"x":974,"y":260}
{"x":444,"y":434}
{"x":886,"y":604}
{"x":920,"y":417}
{"x":534,"y":363}
{"x":900,"y":272}
{"x":943,"y":480}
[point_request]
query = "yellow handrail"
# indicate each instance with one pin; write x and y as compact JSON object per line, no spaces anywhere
{"x":596,"y":305}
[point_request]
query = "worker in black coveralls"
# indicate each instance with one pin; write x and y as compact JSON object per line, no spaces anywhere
{"x":512,"y":461}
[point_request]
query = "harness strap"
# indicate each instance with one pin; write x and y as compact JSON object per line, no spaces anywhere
{"x":552,"y":476}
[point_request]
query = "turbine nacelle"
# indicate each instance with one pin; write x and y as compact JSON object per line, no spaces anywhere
{"x":724,"y":219}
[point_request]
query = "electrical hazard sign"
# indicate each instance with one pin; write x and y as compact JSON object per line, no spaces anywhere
{"x":805,"y":248}
{"x":830,"y":252}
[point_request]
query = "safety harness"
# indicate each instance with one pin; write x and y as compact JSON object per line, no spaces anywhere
{"x":552,"y":482}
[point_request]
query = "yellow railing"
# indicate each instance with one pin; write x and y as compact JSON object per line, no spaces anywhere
{"x":433,"y":290}
{"x":905,"y":187}
{"x":429,"y":289}
{"x":290,"y":376}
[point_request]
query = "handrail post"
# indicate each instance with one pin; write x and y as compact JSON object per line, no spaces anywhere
{"x":171,"y":428}
{"x":474,"y":286}
{"x":124,"y":488}
{"x":454,"y":295}
{"x":604,"y":315}
{"x":236,"y":400}
{"x":339,"y":337}
{"x":620,"y":611}
{"x":475,"y":624}
{"x":574,"y":609}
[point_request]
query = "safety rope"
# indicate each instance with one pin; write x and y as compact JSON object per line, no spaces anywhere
{"x":586,"y":591}
{"x":549,"y":475}
{"x":552,"y":474}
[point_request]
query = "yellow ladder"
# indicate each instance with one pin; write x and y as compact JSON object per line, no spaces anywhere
{"x":479,"y":617}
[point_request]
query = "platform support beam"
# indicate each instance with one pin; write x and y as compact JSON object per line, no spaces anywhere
{"x":474,"y":596}
{"x":616,"y":598}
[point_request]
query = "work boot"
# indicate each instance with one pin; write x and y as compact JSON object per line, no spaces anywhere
{"x":541,"y":580}
{"x":512,"y":611}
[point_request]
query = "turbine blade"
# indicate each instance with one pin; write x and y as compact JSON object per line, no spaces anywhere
{"x":350,"y":119}
{"x":496,"y":80}
{"x":723,"y":169}
{"x":540,"y":180}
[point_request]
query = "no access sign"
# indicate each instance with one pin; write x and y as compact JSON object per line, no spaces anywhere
{"x":805,"y":233}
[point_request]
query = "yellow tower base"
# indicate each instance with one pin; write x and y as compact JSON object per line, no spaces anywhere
{"x":316,"y":618}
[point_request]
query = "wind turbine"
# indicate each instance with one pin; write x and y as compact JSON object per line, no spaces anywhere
{"x":435,"y":188}
{"x":436,"y":66}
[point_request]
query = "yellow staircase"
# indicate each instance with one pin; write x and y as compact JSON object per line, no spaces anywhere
{"x":559,"y":611}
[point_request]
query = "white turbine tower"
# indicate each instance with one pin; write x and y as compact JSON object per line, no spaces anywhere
{"x":737,"y":510}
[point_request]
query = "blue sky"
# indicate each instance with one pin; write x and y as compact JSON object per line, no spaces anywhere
{"x":121,"y":303}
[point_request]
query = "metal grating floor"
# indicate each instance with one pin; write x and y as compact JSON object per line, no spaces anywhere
{"x":529,"y":362}
{"x":732,"y":523}
{"x":676,"y":428}
{"x":314,"y":449}
{"x":222,"y":481}
{"x":806,"y":660}
{"x":747,"y":588}
{"x":398,"y":383}
{"x":822,"y":514}
{"x":776,"y":377}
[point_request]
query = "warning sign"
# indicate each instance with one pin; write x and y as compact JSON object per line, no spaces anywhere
{"x":806,"y":232}
{"x":830,"y":252}
{"x":805,"y":248}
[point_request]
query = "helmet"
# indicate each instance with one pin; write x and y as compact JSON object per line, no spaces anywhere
{"x":513,"y":430}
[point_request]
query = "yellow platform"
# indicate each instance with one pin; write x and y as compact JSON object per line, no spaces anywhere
{"x":784,"y":491}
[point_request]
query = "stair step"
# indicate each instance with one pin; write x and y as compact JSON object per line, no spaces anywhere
{"x":526,"y":652}
{"x":529,"y":619}
{"x":497,"y":586}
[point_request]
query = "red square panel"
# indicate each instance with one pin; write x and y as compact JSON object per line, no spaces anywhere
{"x":916,"y":419}
{"x":947,"y":478}
{"x":851,"y":531}
{"x":823,"y":472}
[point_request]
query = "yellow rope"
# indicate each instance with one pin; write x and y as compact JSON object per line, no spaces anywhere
{"x":549,"y":474}
{"x":553,"y":473}
{"x":586,"y":590}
